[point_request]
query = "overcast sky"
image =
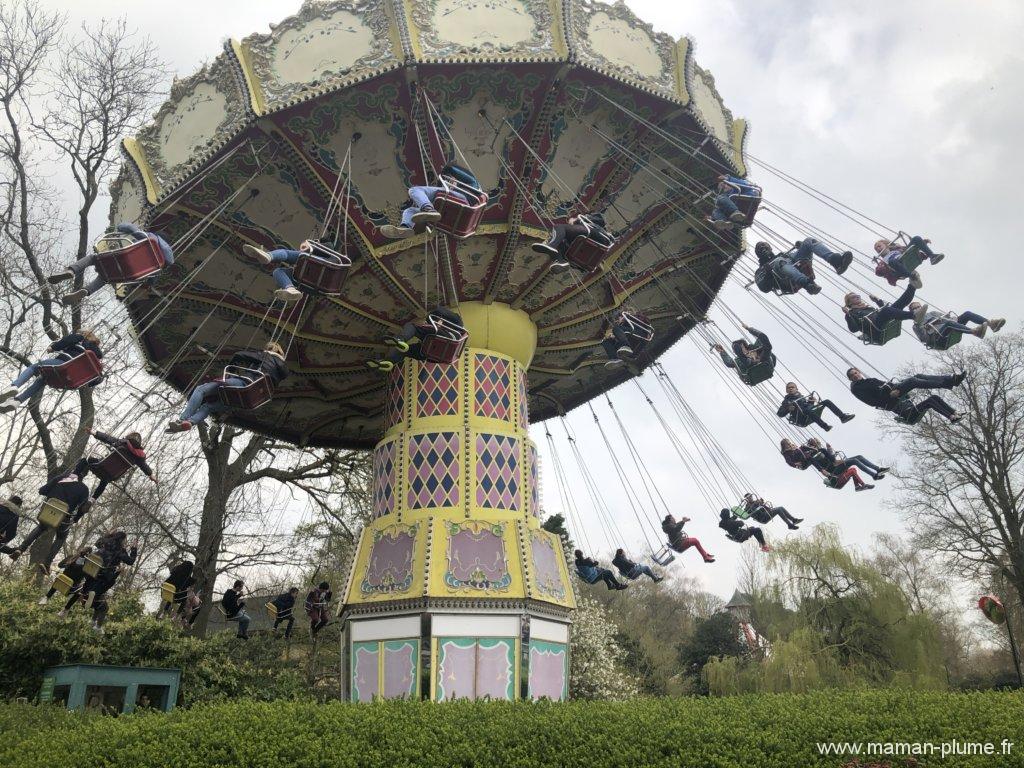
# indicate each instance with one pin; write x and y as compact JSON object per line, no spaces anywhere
{"x":907,"y":111}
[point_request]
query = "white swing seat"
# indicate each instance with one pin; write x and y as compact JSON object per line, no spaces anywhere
{"x":663,"y":556}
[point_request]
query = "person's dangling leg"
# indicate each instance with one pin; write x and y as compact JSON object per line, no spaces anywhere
{"x":923,"y":246}
{"x":971,"y":317}
{"x":787,"y":518}
{"x":693,"y":541}
{"x":610,"y":346}
{"x":904,"y":299}
{"x":863,"y":464}
{"x":647,"y":571}
{"x":757,"y":534}
{"x":790,"y":273}
{"x":928,"y":381}
{"x":25,"y":376}
{"x":838,"y":261}
{"x":100,"y":487}
{"x":285,"y":256}
{"x":724,"y":208}
{"x":940,"y":406}
{"x":283,"y":278}
{"x":835,"y":409}
{"x":195,"y":400}
{"x":288,"y":628}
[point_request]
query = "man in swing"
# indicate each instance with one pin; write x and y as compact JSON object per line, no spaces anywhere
{"x":633,"y":571}
{"x":67,"y":348}
{"x":287,"y":258}
{"x":421,"y":212}
{"x":317,"y":605}
{"x":737,"y":531}
{"x":747,"y":356}
{"x":793,"y":270}
{"x":203,"y":401}
{"x":285,"y":605}
{"x":591,"y":572}
{"x":76,"y":270}
{"x":860,"y":315}
{"x":726,"y":213}
{"x":408,"y":341}
{"x":936,"y":327}
{"x":589,"y":224}
{"x":894,"y":396}
{"x":10,"y":516}
{"x":679,"y":542}
{"x":804,"y":410}
{"x":621,"y":342}
{"x":69,"y":488}
{"x":763,"y":512}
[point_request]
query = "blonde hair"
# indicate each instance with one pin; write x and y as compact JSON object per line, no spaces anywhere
{"x":274,"y":348}
{"x":90,"y":336}
{"x":850,"y":298}
{"x":881,"y":245}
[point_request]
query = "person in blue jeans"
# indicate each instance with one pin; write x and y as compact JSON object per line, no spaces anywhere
{"x":68,"y":347}
{"x":234,"y":608}
{"x":287,"y":258}
{"x":76,"y":270}
{"x":591,"y":572}
{"x":631,"y":570}
{"x":726,"y":212}
{"x":808,"y":248}
{"x":780,"y":272}
{"x":937,"y":326}
{"x":422,"y":211}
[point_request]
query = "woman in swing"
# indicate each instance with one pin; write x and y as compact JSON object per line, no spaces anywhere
{"x":285,"y":259}
{"x":67,"y":348}
{"x":763,"y":512}
{"x":421,"y":212}
{"x":631,"y":570}
{"x":747,"y":356}
{"x":859,"y":314}
{"x":935,"y":327}
{"x":679,"y":542}
{"x":590,"y":224}
{"x":889,"y":259}
{"x":591,"y":572}
{"x":129,"y":446}
{"x":737,"y":531}
{"x":803,"y":410}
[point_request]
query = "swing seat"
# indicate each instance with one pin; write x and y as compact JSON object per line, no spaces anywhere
{"x":121,"y":259}
{"x":93,"y":565}
{"x":586,"y":254}
{"x":63,"y":584}
{"x":168,"y":592}
{"x":256,"y":393}
{"x":740,"y":511}
{"x":805,"y":418}
{"x":637,"y":327}
{"x":459,"y":218}
{"x":73,"y":373}
{"x":444,"y":343}
{"x":787,"y":288}
{"x":942,"y":343}
{"x":831,"y":481}
{"x":52,"y":513}
{"x":748,"y":205}
{"x":663,"y":556}
{"x":873,"y":335}
{"x":323,"y":271}
{"x":757,"y":373}
{"x":271,"y":611}
{"x":911,"y":258}
{"x":113,"y":466}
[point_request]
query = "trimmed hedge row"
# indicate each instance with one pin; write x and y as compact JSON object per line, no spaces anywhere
{"x":762,"y":731}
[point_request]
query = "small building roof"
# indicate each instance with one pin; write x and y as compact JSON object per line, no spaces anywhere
{"x":739,"y":600}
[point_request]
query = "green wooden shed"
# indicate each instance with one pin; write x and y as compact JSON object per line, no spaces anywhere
{"x":113,"y":690}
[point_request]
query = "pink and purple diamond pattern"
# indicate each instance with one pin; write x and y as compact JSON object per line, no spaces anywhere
{"x":438,"y":391}
{"x":394,"y":403}
{"x":434,"y":470}
{"x":533,"y":479}
{"x":385,"y":475}
{"x":522,"y":395}
{"x":493,"y":398}
{"x":497,"y":471}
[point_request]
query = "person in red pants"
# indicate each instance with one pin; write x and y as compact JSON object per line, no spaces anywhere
{"x":317,"y":602}
{"x":679,"y":541}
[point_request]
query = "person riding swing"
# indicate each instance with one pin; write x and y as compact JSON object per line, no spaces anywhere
{"x":763,"y":512}
{"x":679,"y":542}
{"x":75,"y":365}
{"x":453,"y":180}
{"x":753,"y":362}
{"x":804,"y":410}
{"x":627,"y":337}
{"x":590,"y":571}
{"x":736,"y":530}
{"x":894,"y":396}
{"x":440,"y":323}
{"x":286,"y":259}
{"x":590,"y":227}
{"x":632,"y":570}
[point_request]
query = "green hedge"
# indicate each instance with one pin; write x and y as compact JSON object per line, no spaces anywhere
{"x":755,"y":731}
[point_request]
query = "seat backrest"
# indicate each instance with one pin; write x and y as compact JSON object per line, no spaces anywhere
{"x":585,"y":253}
{"x":168,"y":592}
{"x":636,"y":326}
{"x":113,"y":466}
{"x":136,"y":260}
{"x":321,"y":274}
{"x":257,"y":392}
{"x":52,"y":512}
{"x":80,"y":369}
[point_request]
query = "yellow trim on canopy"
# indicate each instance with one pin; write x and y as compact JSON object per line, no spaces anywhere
{"x":134,"y":150}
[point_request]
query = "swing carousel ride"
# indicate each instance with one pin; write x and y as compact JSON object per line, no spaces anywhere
{"x":316,"y":130}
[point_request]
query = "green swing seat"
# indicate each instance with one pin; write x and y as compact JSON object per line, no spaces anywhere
{"x":942,"y":343}
{"x":757,"y":373}
{"x":740,"y":511}
{"x":873,"y":335}
{"x":911,"y":258}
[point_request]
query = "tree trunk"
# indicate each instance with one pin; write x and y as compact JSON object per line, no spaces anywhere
{"x":211,"y":534}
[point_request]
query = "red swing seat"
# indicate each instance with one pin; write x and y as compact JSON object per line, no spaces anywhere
{"x":748,"y":205}
{"x":122,"y":259}
{"x":74,"y":373}
{"x":444,"y":343}
{"x":323,"y":271}
{"x":586,"y":254}
{"x":113,"y":466}
{"x":458,"y":218}
{"x":257,"y":392}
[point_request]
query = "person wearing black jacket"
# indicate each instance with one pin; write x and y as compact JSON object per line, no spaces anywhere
{"x":130,"y":446}
{"x":782,"y":272}
{"x":894,"y":396}
{"x":738,"y":532}
{"x":803,"y":410}
{"x":203,"y":401}
{"x":69,"y":488}
{"x":825,"y":458}
{"x":763,"y":512}
{"x":796,"y":456}
{"x":858,"y":312}
{"x":408,"y":341}
{"x":631,"y":570}
{"x":68,"y":347}
{"x":93,"y":594}
{"x":10,"y":515}
{"x":181,"y":578}
{"x":316,"y":604}
{"x":72,"y":567}
{"x":745,"y":356}
{"x":285,"y":604}
{"x":590,"y":225}
{"x":234,"y":608}
{"x":591,"y":572}
{"x":679,"y":542}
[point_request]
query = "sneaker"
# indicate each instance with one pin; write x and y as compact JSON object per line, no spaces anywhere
{"x":845,"y":260}
{"x":766,"y":548}
{"x":958,"y":378}
{"x":62,"y":614}
{"x":709,"y":559}
{"x":291,"y":293}
{"x":392,"y":232}
{"x":827,"y":427}
{"x":614,"y":363}
{"x":74,"y":297}
{"x":882,"y":472}
{"x":425,"y":215}
{"x":656,"y":579}
{"x":813,"y":288}
{"x":43,"y":600}
{"x":980,"y":330}
{"x":792,"y":526}
{"x":865,"y":487}
{"x":8,"y":393}
{"x":559,"y":265}
{"x":14,"y":554}
{"x":847,"y":417}
{"x":400,"y":344}
{"x":257,"y":253}
{"x":60,"y":277}
{"x":622,"y":586}
{"x":797,"y":520}
{"x":722,"y":224}
{"x":542,"y":247}
{"x":955,"y":418}
{"x":737,"y":217}
{"x":380,"y":365}
{"x":919,"y":314}
{"x":178,"y":426}
{"x":89,"y":599}
{"x":915,"y":280}
{"x":624,"y":351}
{"x":997,"y":324}
{"x":937,"y":257}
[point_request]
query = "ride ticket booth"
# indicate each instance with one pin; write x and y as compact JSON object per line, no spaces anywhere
{"x":110,"y":690}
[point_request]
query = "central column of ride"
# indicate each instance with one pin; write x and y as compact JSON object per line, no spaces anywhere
{"x":455,"y":590}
